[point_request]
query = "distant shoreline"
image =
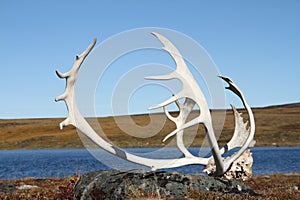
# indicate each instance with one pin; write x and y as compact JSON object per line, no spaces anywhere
{"x":70,"y":148}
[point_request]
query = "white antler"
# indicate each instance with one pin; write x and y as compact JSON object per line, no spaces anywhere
{"x":240,"y":135}
{"x":76,"y":119}
{"x":191,"y":90}
{"x":249,"y":140}
{"x":184,"y":111}
{"x":71,"y":76}
{"x":192,"y":94}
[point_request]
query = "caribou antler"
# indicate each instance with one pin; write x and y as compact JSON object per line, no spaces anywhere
{"x":192,"y":94}
{"x":190,"y":89}
{"x":76,"y":119}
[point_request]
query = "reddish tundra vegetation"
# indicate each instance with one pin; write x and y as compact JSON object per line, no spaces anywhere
{"x":276,"y":186}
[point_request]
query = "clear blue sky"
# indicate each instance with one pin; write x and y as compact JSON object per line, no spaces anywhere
{"x":256,"y":43}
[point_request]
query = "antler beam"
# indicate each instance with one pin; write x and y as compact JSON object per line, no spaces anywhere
{"x":76,"y":119}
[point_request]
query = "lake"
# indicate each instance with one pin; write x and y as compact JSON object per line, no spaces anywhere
{"x":65,"y":162}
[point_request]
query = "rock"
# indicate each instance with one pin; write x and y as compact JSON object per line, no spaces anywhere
{"x":7,"y":188}
{"x":241,"y":169}
{"x":117,"y":184}
{"x":26,"y":187}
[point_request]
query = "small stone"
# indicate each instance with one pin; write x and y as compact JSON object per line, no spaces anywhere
{"x":26,"y":187}
{"x":239,"y":188}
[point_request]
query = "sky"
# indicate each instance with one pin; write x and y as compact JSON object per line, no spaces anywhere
{"x":256,"y":43}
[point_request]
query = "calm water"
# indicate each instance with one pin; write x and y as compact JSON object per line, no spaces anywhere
{"x":64,"y":162}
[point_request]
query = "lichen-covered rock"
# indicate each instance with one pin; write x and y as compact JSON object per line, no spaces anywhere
{"x":7,"y":188}
{"x":241,"y":169}
{"x":138,"y":183}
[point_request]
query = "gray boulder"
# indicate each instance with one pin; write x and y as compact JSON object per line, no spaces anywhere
{"x":117,"y":184}
{"x":7,"y":188}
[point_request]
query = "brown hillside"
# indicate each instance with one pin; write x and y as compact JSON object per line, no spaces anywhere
{"x":276,"y":125}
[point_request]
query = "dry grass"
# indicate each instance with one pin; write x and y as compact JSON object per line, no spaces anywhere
{"x":275,"y":186}
{"x":275,"y":126}
{"x":47,"y":188}
{"x":36,"y":133}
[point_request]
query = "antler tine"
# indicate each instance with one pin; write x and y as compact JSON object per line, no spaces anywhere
{"x":169,"y":116}
{"x":233,"y":87}
{"x":61,"y":75}
{"x":240,"y":132}
{"x":186,"y":125}
{"x":165,"y":103}
{"x":70,"y":85}
{"x":184,"y":110}
{"x":181,"y":67}
{"x":162,"y":77}
{"x":170,"y":48}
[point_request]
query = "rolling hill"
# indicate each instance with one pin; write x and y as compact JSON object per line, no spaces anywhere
{"x":275,"y":126}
